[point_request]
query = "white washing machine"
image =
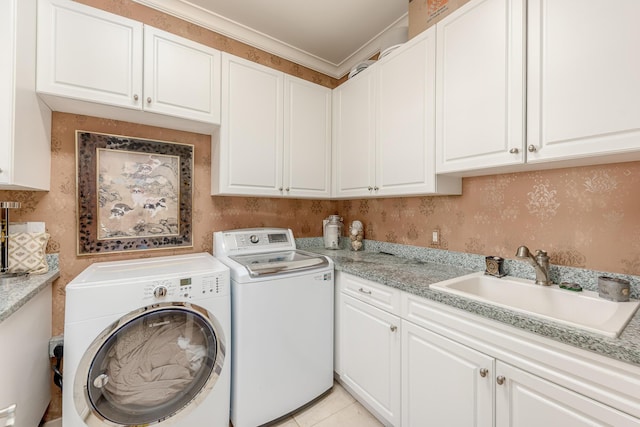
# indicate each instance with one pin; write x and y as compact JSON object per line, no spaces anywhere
{"x":146,"y":342}
{"x":282,"y":323}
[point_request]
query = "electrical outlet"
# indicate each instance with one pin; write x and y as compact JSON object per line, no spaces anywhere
{"x":54,"y":342}
{"x":435,"y":237}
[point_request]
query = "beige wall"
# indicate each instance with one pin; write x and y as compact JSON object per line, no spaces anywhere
{"x":587,"y":217}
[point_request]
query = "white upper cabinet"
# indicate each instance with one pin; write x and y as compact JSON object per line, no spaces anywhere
{"x":307,"y":139}
{"x":181,"y":77}
{"x":88,"y":54}
{"x":275,"y":134}
{"x":384,"y":127}
{"x":480,"y":88}
{"x":583,"y":72}
{"x":90,"y":61}
{"x":353,"y":136}
{"x":25,"y":121}
{"x":248,"y":158}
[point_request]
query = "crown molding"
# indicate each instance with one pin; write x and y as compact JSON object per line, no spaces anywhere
{"x":219,"y":24}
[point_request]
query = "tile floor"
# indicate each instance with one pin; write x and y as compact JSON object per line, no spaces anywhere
{"x":335,"y":409}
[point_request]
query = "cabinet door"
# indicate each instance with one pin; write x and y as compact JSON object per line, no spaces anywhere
{"x":251,"y":143}
{"x":25,"y":121}
{"x":25,"y":369}
{"x":583,"y":86}
{"x":88,"y":54}
{"x":307,"y":139}
{"x":405,"y":119}
{"x":525,"y":400}
{"x":370,"y":355}
{"x":480,"y":86}
{"x":181,"y":77}
{"x":444,"y":383}
{"x":353,"y":136}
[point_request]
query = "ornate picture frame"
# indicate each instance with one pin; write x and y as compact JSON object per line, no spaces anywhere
{"x":133,"y":194}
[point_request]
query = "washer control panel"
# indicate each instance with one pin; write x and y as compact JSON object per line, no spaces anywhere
{"x":188,"y":288}
{"x":252,"y":240}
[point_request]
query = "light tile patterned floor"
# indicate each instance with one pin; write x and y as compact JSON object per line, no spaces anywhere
{"x":335,"y":409}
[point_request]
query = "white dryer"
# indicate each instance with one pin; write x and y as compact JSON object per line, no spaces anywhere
{"x":281,"y":323}
{"x":146,"y":342}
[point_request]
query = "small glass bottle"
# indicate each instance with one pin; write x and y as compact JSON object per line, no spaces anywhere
{"x":332,"y":232}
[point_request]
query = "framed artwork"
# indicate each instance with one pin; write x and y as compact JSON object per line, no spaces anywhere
{"x":133,"y":194}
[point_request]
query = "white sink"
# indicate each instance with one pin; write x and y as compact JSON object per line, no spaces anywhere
{"x":585,"y":310}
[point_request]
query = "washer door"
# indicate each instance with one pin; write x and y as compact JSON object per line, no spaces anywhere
{"x":152,"y":364}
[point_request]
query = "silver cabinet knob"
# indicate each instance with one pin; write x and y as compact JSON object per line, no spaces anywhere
{"x":280,"y":189}
{"x":1,"y":170}
{"x":376,"y":188}
{"x":370,"y":188}
{"x":500,"y":380}
{"x":393,"y":328}
{"x":149,"y":100}
{"x":484,"y":372}
{"x":286,"y":189}
{"x":532,"y":148}
{"x":135,"y":96}
{"x":514,"y":151}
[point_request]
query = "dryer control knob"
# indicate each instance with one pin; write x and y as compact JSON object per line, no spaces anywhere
{"x":160,"y":291}
{"x":254,"y":239}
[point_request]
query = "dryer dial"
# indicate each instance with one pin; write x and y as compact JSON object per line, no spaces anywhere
{"x":254,"y":238}
{"x":160,"y":291}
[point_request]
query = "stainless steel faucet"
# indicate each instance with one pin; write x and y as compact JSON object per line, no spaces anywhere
{"x":540,"y":264}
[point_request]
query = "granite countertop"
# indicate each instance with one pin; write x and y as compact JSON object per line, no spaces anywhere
{"x":413,"y":269}
{"x":16,"y":292}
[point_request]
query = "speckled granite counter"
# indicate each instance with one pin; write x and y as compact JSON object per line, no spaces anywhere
{"x":15,"y":293}
{"x":412,"y":269}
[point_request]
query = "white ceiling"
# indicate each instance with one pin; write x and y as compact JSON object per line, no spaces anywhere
{"x":329,"y":36}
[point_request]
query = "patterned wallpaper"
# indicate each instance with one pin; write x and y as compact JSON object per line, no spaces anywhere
{"x":185,"y":29}
{"x":586,"y":217}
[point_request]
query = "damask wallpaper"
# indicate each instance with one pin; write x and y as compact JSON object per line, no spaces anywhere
{"x":586,"y":217}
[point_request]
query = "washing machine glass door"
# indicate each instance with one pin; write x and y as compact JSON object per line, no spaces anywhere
{"x":151,"y":365}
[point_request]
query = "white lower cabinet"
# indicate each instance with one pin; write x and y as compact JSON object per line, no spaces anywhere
{"x":370,"y":350}
{"x":444,"y":383}
{"x":526,"y":400}
{"x":429,"y":365}
{"x":24,"y":364}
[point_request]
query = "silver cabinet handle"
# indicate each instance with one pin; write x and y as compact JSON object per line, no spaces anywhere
{"x":500,"y":380}
{"x":484,"y":372}
{"x":364,"y":292}
{"x":135,"y":97}
{"x":532,"y":148}
{"x":149,"y":100}
{"x":393,"y":328}
{"x":514,"y":151}
{"x":10,"y":414}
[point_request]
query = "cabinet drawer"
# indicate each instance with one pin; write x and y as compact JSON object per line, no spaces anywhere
{"x":383,"y":297}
